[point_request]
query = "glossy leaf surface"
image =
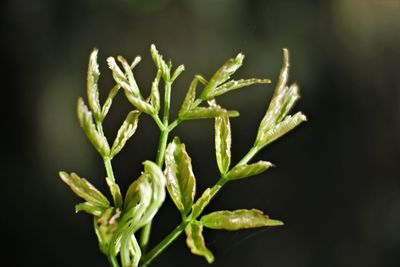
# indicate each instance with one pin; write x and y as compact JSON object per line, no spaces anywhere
{"x":246,"y":170}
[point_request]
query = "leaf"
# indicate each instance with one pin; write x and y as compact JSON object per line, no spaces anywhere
{"x":222,"y":75}
{"x":177,"y":72}
{"x":189,"y":98}
{"x":93,"y":75}
{"x":155,"y":93}
{"x":281,"y":128}
{"x":181,"y":182}
{"x":201,"y":203}
{"x":105,"y":226}
{"x":108,"y":102}
{"x":97,"y":139}
{"x":233,"y":85}
{"x":238,"y":219}
{"x":195,"y":241}
{"x":223,"y":142}
{"x":246,"y":170}
{"x":139,"y":103}
{"x":119,"y":76}
{"x":115,"y":192}
{"x":85,"y":190}
{"x":276,"y":122}
{"x":125,"y":132}
{"x":129,"y":74}
{"x":209,"y":112}
{"x":160,"y":63}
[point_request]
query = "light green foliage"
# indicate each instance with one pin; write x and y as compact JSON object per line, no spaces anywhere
{"x":118,"y":225}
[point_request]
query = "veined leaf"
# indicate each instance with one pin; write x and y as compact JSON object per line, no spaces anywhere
{"x":181,"y":182}
{"x":233,"y":85}
{"x":108,"y":102}
{"x":155,"y":93}
{"x":246,"y":170}
{"x":98,"y":140}
{"x":195,"y":241}
{"x":119,"y":76}
{"x":115,"y":192}
{"x":160,"y":63}
{"x":125,"y":132}
{"x":280,"y":129}
{"x":92,"y":88}
{"x":129,"y":74}
{"x":223,"y":142}
{"x":201,"y":203}
{"x":238,"y":219}
{"x":209,"y":112}
{"x":85,"y":190}
{"x":276,"y":122}
{"x":189,"y":98}
{"x":222,"y":75}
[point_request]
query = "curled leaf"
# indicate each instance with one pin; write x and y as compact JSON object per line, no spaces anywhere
{"x":177,"y":72}
{"x":233,"y":85}
{"x":97,"y":139}
{"x":238,"y":219}
{"x":181,"y":182}
{"x":92,"y":88}
{"x":201,"y":203}
{"x":209,"y":112}
{"x":155,"y":93}
{"x":246,"y":170}
{"x":139,"y":103}
{"x":105,"y":226}
{"x":160,"y":63}
{"x":223,"y":142}
{"x":108,"y":102}
{"x":195,"y":241}
{"x":125,"y":132}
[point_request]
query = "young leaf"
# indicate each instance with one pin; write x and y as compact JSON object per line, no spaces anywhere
{"x":160,"y":63}
{"x":89,"y":208}
{"x":195,"y":241}
{"x":92,"y":88}
{"x":201,"y":203}
{"x":222,"y":75}
{"x":181,"y":183}
{"x":233,"y":85}
{"x":125,"y":132}
{"x":246,"y":170}
{"x":105,"y":226}
{"x":98,"y":140}
{"x":177,"y":72}
{"x":85,"y":190}
{"x":119,"y":76}
{"x":209,"y":112}
{"x":155,"y":93}
{"x":129,"y":74}
{"x":276,"y":122}
{"x":238,"y":219}
{"x":108,"y":102}
{"x":139,"y":103}
{"x":189,"y":98}
{"x":115,"y":192}
{"x":223,"y":142}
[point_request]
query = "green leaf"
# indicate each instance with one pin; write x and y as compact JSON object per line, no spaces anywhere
{"x":177,"y":72}
{"x":238,"y":219}
{"x":281,"y":128}
{"x":276,"y":122}
{"x":209,"y":112}
{"x":92,"y":88}
{"x":223,"y":142}
{"x":108,"y":102}
{"x":195,"y":241}
{"x":246,"y":170}
{"x":115,"y":192}
{"x":201,"y":203}
{"x":189,"y":98}
{"x":105,"y":227}
{"x":233,"y":85}
{"x":129,"y":74}
{"x":181,"y":182}
{"x":97,"y":139}
{"x":139,"y":103}
{"x":155,"y":93}
{"x":119,"y":76}
{"x":85,"y":190}
{"x":222,"y":75}
{"x":160,"y":63}
{"x":125,"y":132}
{"x":89,"y":208}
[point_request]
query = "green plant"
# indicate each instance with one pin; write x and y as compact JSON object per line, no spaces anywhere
{"x":116,"y":224}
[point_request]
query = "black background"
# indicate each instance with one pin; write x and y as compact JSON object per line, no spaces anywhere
{"x":336,"y":184}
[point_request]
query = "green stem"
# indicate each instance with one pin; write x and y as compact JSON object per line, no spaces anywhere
{"x":252,"y":152}
{"x":163,"y":244}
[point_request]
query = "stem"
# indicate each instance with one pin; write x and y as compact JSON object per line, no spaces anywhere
{"x":252,"y":152}
{"x":163,"y":244}
{"x":162,"y":145}
{"x":109,"y":169}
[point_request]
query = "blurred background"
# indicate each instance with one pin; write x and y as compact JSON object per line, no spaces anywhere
{"x":337,"y":180}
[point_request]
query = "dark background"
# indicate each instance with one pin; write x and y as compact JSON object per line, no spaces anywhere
{"x":336,"y":184}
